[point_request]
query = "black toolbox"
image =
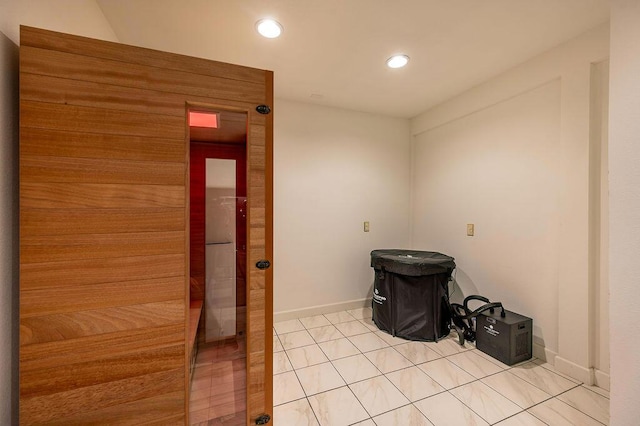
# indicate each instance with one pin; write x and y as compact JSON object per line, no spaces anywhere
{"x":508,"y":339}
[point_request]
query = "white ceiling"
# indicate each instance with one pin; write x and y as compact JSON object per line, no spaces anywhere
{"x":337,"y":48}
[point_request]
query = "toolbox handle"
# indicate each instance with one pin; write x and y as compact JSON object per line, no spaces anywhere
{"x":461,"y":316}
{"x":488,"y":305}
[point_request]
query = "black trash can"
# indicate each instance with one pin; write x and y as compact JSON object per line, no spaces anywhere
{"x":410,"y":293}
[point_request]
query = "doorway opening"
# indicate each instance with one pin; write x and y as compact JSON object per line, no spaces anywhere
{"x":218,"y":258}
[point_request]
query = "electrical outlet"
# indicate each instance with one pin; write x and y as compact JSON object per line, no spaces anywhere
{"x":366,"y":226}
{"x":470,"y":229}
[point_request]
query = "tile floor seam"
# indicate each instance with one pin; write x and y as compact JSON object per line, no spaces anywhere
{"x":536,"y":417}
{"x":517,"y":414}
{"x":544,"y":400}
{"x":297,"y":378}
{"x":535,"y":405}
{"x":360,"y":351}
{"x":393,"y":409}
{"x":399,"y":390}
{"x":312,"y":410}
{"x":508,"y":369}
{"x":559,"y":400}
{"x":362,"y":405}
{"x":360,"y":402}
{"x":464,"y":384}
{"x":590,"y":390}
{"x":533,"y":384}
{"x":576,"y":408}
{"x":474,"y":411}
{"x":326,"y":390}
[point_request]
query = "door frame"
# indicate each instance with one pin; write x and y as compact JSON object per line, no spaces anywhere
{"x":255,"y":301}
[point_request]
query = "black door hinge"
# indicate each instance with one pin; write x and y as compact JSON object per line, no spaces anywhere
{"x":263,"y":419}
{"x":263,"y":264}
{"x":263,"y":109}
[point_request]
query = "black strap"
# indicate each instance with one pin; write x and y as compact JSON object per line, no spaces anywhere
{"x":486,"y":307}
{"x":462,"y":316}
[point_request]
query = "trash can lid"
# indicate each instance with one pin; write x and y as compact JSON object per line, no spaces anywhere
{"x":412,"y":262}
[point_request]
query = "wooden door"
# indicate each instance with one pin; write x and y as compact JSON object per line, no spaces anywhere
{"x":104,"y":225}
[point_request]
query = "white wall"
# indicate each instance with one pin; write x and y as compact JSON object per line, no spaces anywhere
{"x":82,"y":17}
{"x":498,"y":169}
{"x":599,"y":218}
{"x":624,"y":184}
{"x":512,"y":157}
{"x":335,"y":169}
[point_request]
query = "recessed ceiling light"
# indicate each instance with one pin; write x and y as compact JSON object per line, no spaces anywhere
{"x":397,"y":61}
{"x":269,"y":28}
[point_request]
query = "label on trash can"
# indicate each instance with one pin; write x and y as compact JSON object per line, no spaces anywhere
{"x":377,"y":298}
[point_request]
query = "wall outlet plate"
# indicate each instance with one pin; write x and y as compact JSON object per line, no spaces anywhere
{"x":366,"y":226}
{"x":470,"y":229}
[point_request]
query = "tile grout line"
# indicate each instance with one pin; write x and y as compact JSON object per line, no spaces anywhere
{"x":412,"y":403}
{"x":341,"y":376}
{"x":306,"y":397}
{"x":575,"y":408}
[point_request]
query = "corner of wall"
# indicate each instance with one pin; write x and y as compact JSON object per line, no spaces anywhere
{"x":624,"y":205}
{"x":450,"y":130}
{"x":81,"y":17}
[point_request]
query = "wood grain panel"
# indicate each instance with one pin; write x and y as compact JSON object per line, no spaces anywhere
{"x":40,"y":222}
{"x":259,"y":374}
{"x":83,"y":374}
{"x":157,"y":410}
{"x":103,"y":71}
{"x":258,"y":214}
{"x":96,"y":347}
{"x":268,"y":242}
{"x":55,"y":143}
{"x":50,"y":248}
{"x":44,"y":88}
{"x":41,"y":409}
{"x":83,"y":272}
{"x":104,"y":209}
{"x":90,"y":170}
{"x":38,"y":302}
{"x":73,"y":118}
{"x":73,"y":325}
{"x":129,"y":54}
{"x":88,"y":195}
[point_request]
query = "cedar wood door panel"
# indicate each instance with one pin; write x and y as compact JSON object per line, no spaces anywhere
{"x":104,"y":220}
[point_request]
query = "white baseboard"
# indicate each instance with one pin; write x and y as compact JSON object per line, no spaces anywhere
{"x":573,"y":370}
{"x":602,"y":380}
{"x":544,"y":354}
{"x":588,"y":376}
{"x":322,"y":309}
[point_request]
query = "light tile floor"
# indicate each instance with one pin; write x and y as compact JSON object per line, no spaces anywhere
{"x":339,"y":369}
{"x":218,"y":386}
